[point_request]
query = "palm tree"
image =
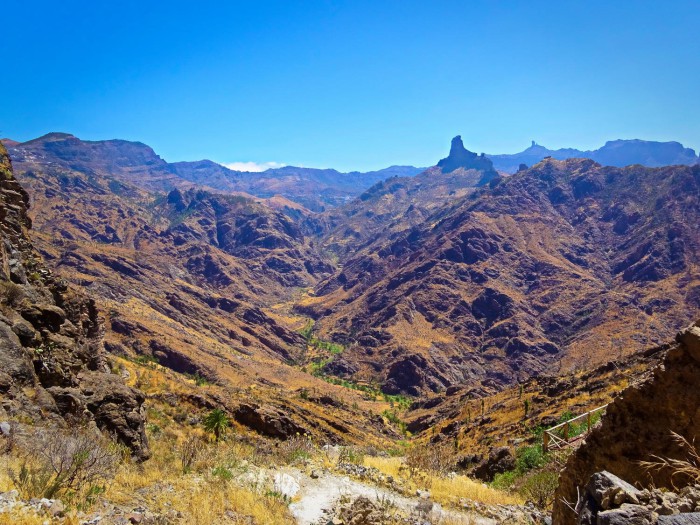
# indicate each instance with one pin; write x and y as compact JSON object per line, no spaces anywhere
{"x":217,"y":423}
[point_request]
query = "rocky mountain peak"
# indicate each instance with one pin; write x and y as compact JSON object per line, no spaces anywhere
{"x":461,"y":157}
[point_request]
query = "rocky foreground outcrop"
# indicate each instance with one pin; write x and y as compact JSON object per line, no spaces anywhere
{"x":638,"y":427}
{"x":609,"y":500}
{"x":52,"y":365}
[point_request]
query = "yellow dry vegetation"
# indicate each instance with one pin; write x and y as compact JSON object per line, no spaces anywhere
{"x":446,"y":490}
{"x":417,"y":333}
{"x":201,"y":497}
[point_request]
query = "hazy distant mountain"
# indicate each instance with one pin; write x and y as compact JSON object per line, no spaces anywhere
{"x":137,"y":163}
{"x":315,"y":188}
{"x":615,"y":153}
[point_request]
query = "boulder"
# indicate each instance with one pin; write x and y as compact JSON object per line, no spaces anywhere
{"x":267,"y":420}
{"x":691,"y":518}
{"x":362,"y":511}
{"x":626,"y":515}
{"x":499,"y":460}
{"x":608,"y":490}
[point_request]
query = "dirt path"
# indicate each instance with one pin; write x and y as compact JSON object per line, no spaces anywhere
{"x":314,"y":499}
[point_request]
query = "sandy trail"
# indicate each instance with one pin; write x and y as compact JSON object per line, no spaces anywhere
{"x":315,"y":498}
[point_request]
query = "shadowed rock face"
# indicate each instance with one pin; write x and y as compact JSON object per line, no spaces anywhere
{"x":51,"y":356}
{"x":638,"y":425}
{"x":460,"y":157}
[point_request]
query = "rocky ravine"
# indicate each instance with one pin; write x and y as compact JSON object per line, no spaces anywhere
{"x":637,"y":426}
{"x":51,"y":355}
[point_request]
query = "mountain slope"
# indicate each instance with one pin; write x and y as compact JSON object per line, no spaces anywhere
{"x":556,"y":266}
{"x":316,"y":189}
{"x":198,"y":283}
{"x":395,"y":205}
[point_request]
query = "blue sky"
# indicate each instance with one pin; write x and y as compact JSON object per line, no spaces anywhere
{"x":350,"y":85}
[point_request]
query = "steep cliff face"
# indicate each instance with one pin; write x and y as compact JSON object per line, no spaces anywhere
{"x":638,"y":425}
{"x":52,"y":365}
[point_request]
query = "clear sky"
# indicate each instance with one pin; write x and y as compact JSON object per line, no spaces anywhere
{"x":350,"y":85}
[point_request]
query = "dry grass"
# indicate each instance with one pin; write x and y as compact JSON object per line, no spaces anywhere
{"x":202,"y":497}
{"x":446,"y":490}
{"x":688,"y":469}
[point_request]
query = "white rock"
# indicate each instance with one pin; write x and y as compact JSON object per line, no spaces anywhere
{"x":286,"y":485}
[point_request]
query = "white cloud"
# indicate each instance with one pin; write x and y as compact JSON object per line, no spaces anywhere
{"x":252,"y":166}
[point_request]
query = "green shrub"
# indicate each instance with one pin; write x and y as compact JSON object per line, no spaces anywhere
{"x":528,"y":458}
{"x":505,"y":480}
{"x":222,"y":473}
{"x":351,"y":455}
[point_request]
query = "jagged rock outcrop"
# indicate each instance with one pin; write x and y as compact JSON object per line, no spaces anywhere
{"x":609,"y":500}
{"x":638,"y":425}
{"x":52,"y":364}
{"x":461,"y":157}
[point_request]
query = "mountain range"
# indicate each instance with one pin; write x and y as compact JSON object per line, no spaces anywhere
{"x":461,"y":306}
{"x":315,"y":189}
{"x":614,"y":153}
{"x":455,"y":275}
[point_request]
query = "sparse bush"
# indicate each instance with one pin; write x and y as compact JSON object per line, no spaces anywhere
{"x":10,"y":293}
{"x":57,"y":464}
{"x":540,"y":488}
{"x":351,"y":455}
{"x":297,"y":448}
{"x":688,"y":469}
{"x":438,"y":459}
{"x":189,"y":451}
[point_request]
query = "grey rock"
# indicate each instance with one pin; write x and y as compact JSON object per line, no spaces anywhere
{"x":626,"y":515}
{"x":608,"y":490}
{"x":691,"y":518}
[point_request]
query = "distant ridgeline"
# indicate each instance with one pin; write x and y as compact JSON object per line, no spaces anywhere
{"x":615,"y":153}
{"x":315,"y":189}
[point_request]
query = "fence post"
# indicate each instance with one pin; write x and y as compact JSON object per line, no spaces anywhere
{"x":566,"y":431}
{"x":545,"y":441}
{"x":589,"y":422}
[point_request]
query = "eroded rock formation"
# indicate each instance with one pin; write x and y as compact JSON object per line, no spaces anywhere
{"x":52,"y":364}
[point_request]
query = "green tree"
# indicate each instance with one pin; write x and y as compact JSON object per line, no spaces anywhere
{"x":217,"y":423}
